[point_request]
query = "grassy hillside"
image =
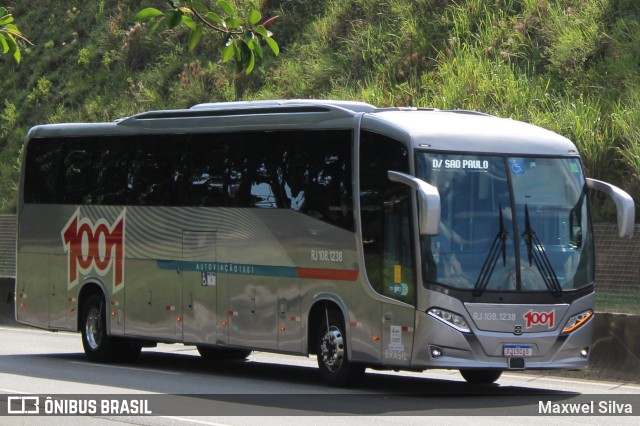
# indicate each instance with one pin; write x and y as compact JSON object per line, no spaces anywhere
{"x":572,"y":66}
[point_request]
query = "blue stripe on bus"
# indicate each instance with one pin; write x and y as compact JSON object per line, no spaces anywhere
{"x":229,"y":268}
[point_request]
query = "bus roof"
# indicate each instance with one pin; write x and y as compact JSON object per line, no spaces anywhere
{"x":245,"y":105}
{"x":456,"y":131}
{"x":466,"y":131}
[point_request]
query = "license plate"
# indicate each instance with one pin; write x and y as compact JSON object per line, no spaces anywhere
{"x":518,"y":350}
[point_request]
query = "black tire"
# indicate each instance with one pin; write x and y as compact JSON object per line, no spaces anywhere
{"x":336,"y":369}
{"x":129,"y":350}
{"x":98,"y":345}
{"x":217,"y":354}
{"x":481,"y":377}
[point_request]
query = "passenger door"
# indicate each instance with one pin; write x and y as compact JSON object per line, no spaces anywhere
{"x":398,"y":275}
{"x":386,"y":211}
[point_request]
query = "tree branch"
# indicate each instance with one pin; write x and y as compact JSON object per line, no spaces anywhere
{"x":17,"y":34}
{"x":212,"y":26}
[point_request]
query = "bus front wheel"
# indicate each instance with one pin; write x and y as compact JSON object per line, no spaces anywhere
{"x":335,"y":366}
{"x":98,"y":345}
{"x":481,"y":377}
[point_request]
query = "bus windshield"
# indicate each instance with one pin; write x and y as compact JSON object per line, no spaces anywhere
{"x":508,"y":224}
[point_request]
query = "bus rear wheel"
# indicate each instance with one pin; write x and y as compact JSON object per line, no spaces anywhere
{"x":211,"y":353}
{"x":336,"y":369}
{"x":481,"y":377}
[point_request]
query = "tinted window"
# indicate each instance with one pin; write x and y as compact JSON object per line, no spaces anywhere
{"x":112,"y":170}
{"x":306,"y":171}
{"x":156,"y":173}
{"x":42,"y":171}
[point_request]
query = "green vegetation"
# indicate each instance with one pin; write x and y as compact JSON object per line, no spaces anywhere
{"x":243,"y":38}
{"x":10,"y":36}
{"x":572,"y":66}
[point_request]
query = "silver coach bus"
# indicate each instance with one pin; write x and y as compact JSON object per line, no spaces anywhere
{"x":396,"y":238}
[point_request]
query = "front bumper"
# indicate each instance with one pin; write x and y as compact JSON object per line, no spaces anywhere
{"x":485,"y":349}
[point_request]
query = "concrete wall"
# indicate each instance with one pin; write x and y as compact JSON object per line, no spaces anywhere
{"x":616,"y":347}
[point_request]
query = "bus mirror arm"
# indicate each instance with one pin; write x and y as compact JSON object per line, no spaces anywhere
{"x":428,"y":199}
{"x":625,"y":206}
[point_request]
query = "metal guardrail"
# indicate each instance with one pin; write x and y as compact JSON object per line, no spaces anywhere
{"x":7,"y":246}
{"x":617,"y":270}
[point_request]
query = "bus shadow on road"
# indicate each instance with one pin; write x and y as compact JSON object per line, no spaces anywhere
{"x":279,"y":389}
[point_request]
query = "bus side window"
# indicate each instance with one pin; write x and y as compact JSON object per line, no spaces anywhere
{"x":208,"y":178}
{"x":78,"y":180}
{"x":112,"y":170}
{"x":43,"y":171}
{"x":156,"y":172}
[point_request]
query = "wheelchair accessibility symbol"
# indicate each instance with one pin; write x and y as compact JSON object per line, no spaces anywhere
{"x":208,"y":278}
{"x":517,"y":166}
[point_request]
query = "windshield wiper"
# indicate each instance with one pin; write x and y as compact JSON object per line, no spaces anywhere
{"x":537,"y":255}
{"x":499,"y":245}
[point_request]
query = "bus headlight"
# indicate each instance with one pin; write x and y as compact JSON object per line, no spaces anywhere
{"x":576,"y":321}
{"x":451,"y":319}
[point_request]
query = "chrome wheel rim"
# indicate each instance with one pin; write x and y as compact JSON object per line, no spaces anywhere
{"x":332,"y":349}
{"x":93,"y":329}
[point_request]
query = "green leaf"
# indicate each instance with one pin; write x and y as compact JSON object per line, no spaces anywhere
{"x":15,"y":51}
{"x":4,"y":44}
{"x":263,"y":31}
{"x":254,"y":17}
{"x":12,"y":29}
{"x":257,"y":49}
{"x":248,"y":59}
{"x":273,"y":45}
{"x":248,"y":36}
{"x":252,"y":63}
{"x":147,"y":13}
{"x":227,"y":52}
{"x":3,"y":11}
{"x":245,"y":52}
{"x":212,"y":16}
{"x":188,"y":22}
{"x":237,"y":52}
{"x":226,"y":7}
{"x":173,"y":18}
{"x":10,"y":39}
{"x":232,"y":22}
{"x":198,"y":6}
{"x":155,"y":26}
{"x":6,"y":19}
{"x":194,"y":37}
{"x":238,"y":57}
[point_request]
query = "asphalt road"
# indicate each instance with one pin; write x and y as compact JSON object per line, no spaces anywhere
{"x":276,"y":389}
